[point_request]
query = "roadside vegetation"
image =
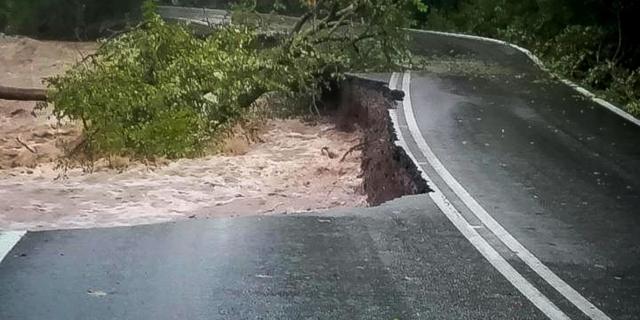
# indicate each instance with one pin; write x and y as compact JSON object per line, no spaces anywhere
{"x":65,"y":20}
{"x":155,"y":89}
{"x":593,"y":42}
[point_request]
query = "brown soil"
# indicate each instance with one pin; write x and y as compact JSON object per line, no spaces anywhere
{"x":388,"y":172}
{"x":24,"y":63}
{"x":286,"y":173}
{"x":296,"y":168}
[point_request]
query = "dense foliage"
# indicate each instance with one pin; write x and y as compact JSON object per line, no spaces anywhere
{"x":63,"y":19}
{"x":159,"y":91}
{"x":592,"y":41}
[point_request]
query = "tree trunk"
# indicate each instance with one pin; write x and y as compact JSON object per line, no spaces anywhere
{"x":9,"y":93}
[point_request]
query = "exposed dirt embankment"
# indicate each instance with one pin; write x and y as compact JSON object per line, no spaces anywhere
{"x":347,"y":159}
{"x":288,"y":172}
{"x":296,"y":167}
{"x":388,"y":172}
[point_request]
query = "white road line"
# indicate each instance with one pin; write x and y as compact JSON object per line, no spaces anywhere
{"x":468,"y":231}
{"x":534,"y":263}
{"x":8,"y":239}
{"x":540,"y":65}
{"x":393,"y":81}
{"x":528,"y":53}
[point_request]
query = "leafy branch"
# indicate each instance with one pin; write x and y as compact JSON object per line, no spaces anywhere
{"x":156,"y":90}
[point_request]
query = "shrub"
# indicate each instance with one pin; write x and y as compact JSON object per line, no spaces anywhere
{"x":68,"y":19}
{"x":589,"y":41}
{"x":159,"y":91}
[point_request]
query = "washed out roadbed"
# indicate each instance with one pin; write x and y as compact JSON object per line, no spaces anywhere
{"x":289,"y":172}
{"x":345,"y":160}
{"x":296,"y":168}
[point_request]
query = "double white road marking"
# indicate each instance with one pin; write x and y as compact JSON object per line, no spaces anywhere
{"x":511,"y":274}
{"x":8,"y":239}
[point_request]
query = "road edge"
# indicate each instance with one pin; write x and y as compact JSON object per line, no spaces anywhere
{"x":606,"y":104}
{"x":517,"y":280}
{"x":8,"y":239}
{"x":586,"y":93}
{"x":573,"y":296}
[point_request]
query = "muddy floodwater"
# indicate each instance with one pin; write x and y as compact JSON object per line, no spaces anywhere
{"x":296,"y":168}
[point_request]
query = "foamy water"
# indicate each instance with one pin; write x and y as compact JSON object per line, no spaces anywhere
{"x":287,"y":173}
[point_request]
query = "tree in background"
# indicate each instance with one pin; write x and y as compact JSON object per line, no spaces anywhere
{"x":592,"y":41}
{"x":63,"y":19}
{"x":4,"y":15}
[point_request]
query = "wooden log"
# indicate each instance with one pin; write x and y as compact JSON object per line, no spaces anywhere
{"x":21,"y":94}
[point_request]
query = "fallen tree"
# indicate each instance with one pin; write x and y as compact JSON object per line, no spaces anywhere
{"x":156,"y":90}
{"x":21,"y":94}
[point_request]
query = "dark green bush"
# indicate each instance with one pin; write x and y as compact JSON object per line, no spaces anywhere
{"x":64,"y":19}
{"x":591,"y":41}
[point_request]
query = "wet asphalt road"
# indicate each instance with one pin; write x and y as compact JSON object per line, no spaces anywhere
{"x":402,"y":260}
{"x":560,"y":173}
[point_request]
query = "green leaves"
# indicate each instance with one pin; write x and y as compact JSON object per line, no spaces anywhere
{"x":143,"y":93}
{"x":588,"y":41}
{"x":158,"y":91}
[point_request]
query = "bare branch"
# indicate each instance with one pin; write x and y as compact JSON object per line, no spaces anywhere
{"x":346,"y":10}
{"x":330,"y":22}
{"x":331,"y":15}
{"x":343,"y":16}
{"x":350,"y":40}
{"x":352,"y":149}
{"x":615,"y":56}
{"x":298,"y":26}
{"x":25,"y":145}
